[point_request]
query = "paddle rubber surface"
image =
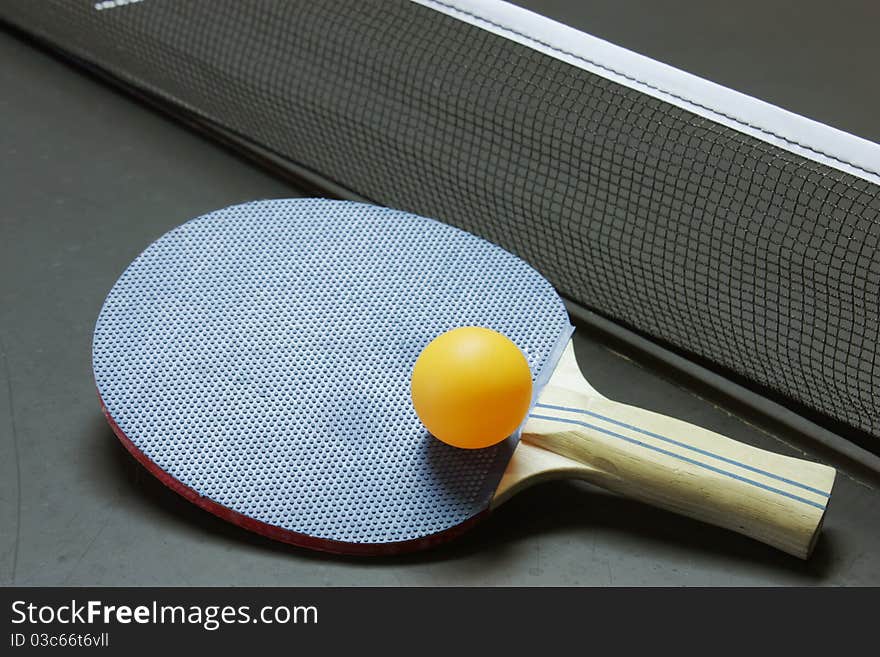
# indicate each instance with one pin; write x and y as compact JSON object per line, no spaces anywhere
{"x":257,"y":360}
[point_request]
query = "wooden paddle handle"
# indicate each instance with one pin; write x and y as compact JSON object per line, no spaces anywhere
{"x":683,"y":468}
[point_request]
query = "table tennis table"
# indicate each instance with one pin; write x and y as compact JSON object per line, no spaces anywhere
{"x":92,"y":173}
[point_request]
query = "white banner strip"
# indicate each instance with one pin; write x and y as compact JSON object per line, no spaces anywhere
{"x":769,"y":123}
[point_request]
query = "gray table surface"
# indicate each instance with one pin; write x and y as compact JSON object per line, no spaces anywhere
{"x":88,"y":178}
{"x":813,"y":57}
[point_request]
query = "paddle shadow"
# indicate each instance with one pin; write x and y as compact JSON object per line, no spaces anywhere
{"x":556,"y":508}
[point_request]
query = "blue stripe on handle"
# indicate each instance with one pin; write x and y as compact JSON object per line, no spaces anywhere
{"x":744,"y":466}
{"x":682,"y":458}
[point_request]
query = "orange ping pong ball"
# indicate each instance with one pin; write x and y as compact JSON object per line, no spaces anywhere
{"x":471,"y":387}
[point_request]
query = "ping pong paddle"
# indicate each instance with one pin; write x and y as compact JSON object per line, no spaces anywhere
{"x":257,"y":361}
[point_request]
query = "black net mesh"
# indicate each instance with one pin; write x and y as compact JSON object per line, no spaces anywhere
{"x":758,"y":260}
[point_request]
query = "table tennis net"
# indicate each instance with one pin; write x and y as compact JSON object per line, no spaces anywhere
{"x":718,"y":244}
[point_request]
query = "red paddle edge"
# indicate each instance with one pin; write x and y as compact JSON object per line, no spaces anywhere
{"x":285,"y":535}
